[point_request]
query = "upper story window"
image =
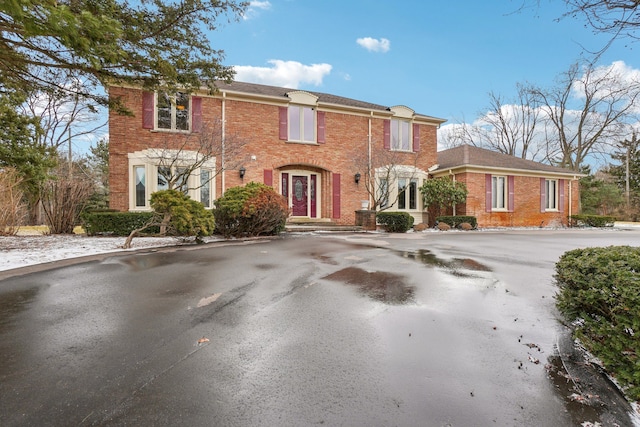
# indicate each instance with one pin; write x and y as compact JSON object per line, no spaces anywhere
{"x":400,"y":135}
{"x":177,"y":112}
{"x":172,"y":111}
{"x":499,"y":192}
{"x":302,"y":123}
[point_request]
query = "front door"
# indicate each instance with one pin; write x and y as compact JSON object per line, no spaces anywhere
{"x":299,"y":195}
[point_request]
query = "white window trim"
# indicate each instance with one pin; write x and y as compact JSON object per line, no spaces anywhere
{"x":300,"y":172}
{"x":409,"y":148}
{"x":401,"y":172}
{"x":505,"y":195}
{"x":151,"y":159}
{"x":301,"y":124}
{"x":173,"y":115}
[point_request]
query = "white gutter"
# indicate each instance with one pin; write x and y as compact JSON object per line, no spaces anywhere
{"x":222,"y":159}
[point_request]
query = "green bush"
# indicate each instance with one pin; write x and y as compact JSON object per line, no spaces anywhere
{"x":395,"y":222}
{"x":455,"y":221}
{"x":187,"y":216}
{"x":251,"y":210}
{"x":115,"y":223}
{"x":592,"y":220}
{"x":600,"y":294}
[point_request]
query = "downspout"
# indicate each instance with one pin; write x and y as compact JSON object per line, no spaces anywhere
{"x":222,"y":151}
{"x":571,"y":199}
{"x":372,"y":189}
{"x":454,"y":180}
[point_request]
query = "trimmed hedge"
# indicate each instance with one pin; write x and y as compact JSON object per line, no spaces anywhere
{"x":592,"y":220}
{"x":455,"y":221}
{"x":395,"y":222}
{"x":600,"y":295}
{"x":116,"y":223}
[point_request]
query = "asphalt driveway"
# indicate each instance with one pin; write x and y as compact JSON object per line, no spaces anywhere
{"x":432,"y":329}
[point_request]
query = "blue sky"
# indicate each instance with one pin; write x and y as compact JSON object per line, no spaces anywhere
{"x":438,"y":58}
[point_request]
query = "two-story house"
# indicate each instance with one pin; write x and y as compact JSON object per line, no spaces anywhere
{"x":318,"y":150}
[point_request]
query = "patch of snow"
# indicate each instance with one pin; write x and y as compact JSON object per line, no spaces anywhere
{"x":23,"y":251}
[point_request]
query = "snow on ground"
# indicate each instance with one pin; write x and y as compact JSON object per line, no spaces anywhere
{"x":22,"y":251}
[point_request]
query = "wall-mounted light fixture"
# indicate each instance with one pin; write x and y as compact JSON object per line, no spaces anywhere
{"x":357,"y":177}
{"x":242,"y":171}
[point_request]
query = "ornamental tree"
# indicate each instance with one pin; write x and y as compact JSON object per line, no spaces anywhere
{"x":442,"y":193}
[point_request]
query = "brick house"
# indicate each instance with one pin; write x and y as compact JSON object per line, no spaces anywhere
{"x":509,"y":191}
{"x":320,"y":151}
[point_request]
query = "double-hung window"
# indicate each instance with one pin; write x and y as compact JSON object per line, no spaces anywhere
{"x":551,"y":194}
{"x":499,"y":192}
{"x":302,"y":123}
{"x":407,"y":193}
{"x":400,"y":135}
{"x":172,"y":111}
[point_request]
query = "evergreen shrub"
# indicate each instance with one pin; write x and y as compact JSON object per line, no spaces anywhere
{"x":592,"y":220}
{"x":395,"y":222}
{"x":115,"y":223}
{"x":600,"y":295}
{"x":251,"y":210}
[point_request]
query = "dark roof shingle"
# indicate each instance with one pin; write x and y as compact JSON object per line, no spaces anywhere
{"x":258,"y":89}
{"x":468,"y":155}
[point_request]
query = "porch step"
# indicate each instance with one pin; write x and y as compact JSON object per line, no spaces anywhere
{"x":299,"y":226}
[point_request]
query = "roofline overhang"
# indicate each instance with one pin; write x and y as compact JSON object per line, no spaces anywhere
{"x":507,"y":171}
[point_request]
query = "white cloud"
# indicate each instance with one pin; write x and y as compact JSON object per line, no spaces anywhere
{"x":255,"y":7}
{"x":283,"y":73}
{"x":374,"y":45}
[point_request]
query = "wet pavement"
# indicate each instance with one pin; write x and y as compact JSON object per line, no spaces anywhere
{"x":429,"y":329}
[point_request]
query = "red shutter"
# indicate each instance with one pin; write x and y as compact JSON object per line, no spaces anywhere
{"x":561,"y":195}
{"x":511,"y":184}
{"x":321,"y":127}
{"x":196,"y":114}
{"x":284,"y":124}
{"x":268,"y":177}
{"x":336,"y":195}
{"x":416,"y":137}
{"x":147,"y":110}
{"x":487,"y":193}
{"x":387,"y":134}
{"x":543,"y":198}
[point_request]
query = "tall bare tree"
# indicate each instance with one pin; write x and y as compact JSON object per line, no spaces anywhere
{"x":615,"y":17}
{"x":383,"y":169}
{"x":587,"y":111}
{"x":509,"y":127}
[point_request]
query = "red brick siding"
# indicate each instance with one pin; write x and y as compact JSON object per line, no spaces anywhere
{"x":256,"y":127}
{"x":526,"y":207}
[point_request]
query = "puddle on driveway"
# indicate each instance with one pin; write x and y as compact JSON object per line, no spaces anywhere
{"x":381,"y":286}
{"x":12,"y":303}
{"x":453,"y":266}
